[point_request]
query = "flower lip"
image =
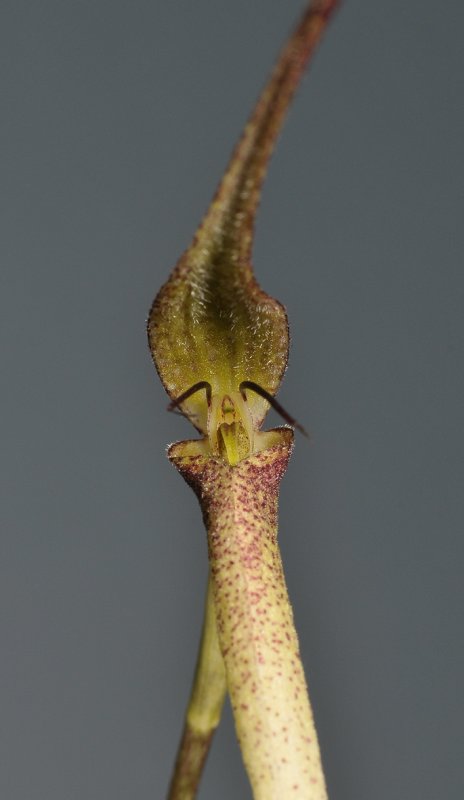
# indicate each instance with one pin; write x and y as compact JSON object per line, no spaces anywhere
{"x":230,"y":426}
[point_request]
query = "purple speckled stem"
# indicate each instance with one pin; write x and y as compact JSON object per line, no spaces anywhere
{"x":256,"y":632}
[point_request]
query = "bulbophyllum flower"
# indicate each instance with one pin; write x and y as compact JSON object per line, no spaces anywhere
{"x":220,"y":345}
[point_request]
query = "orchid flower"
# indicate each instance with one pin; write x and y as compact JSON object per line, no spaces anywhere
{"x":220,"y":345}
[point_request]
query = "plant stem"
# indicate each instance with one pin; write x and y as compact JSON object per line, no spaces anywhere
{"x":257,"y":636}
{"x":203,"y":711}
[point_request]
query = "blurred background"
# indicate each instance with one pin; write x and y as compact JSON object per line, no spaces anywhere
{"x":118,"y":119}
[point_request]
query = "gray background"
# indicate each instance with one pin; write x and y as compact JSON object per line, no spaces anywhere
{"x":117,"y":120}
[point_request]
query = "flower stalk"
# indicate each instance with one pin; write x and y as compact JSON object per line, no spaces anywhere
{"x":220,"y":345}
{"x":204,"y":709}
{"x":255,"y":625}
